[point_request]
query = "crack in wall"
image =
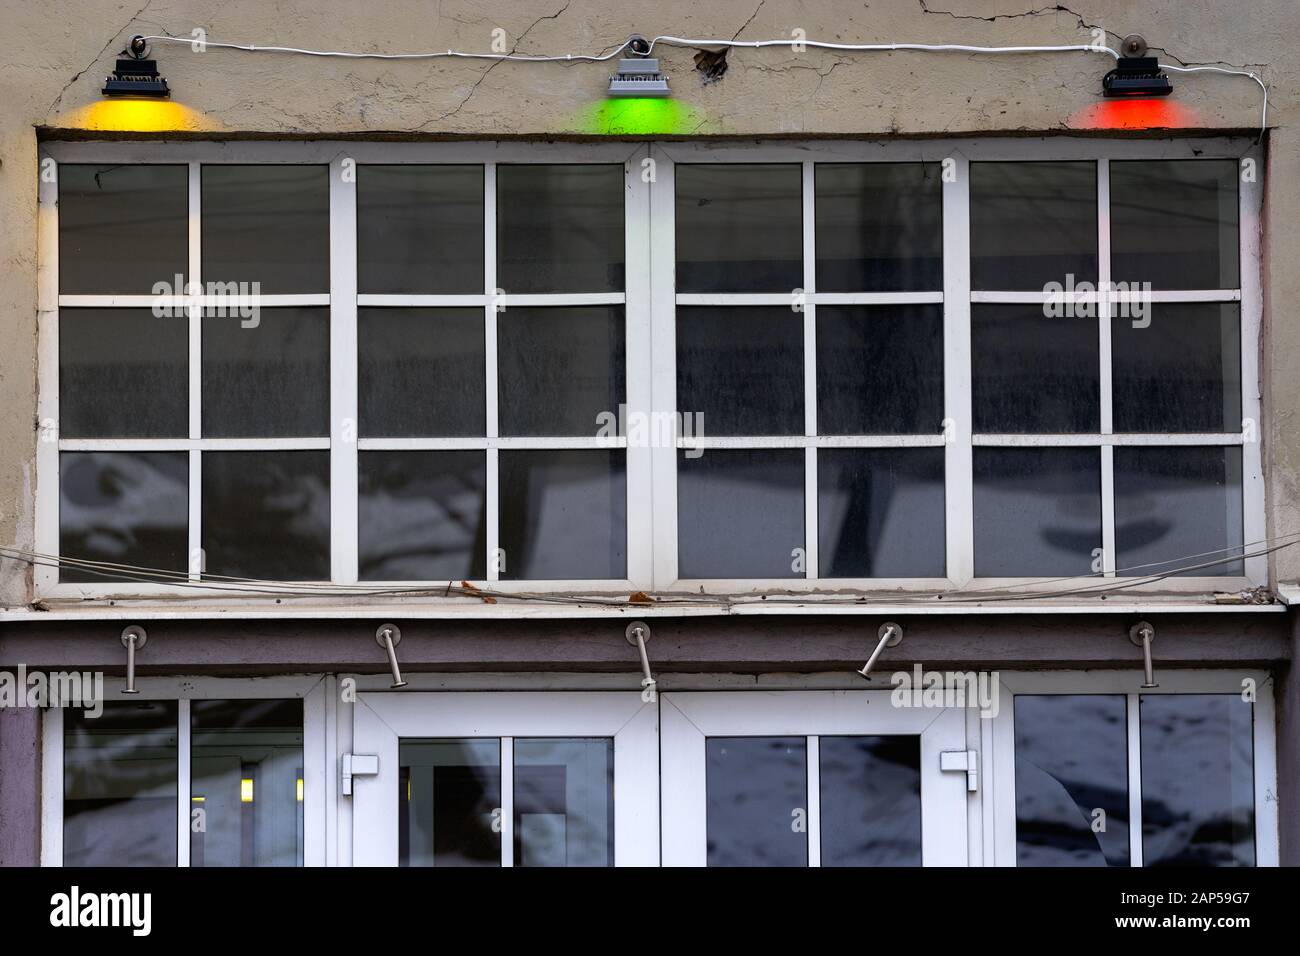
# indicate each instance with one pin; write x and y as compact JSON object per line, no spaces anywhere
{"x":80,"y":73}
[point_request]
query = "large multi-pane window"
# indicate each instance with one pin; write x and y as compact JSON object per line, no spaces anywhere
{"x":618,"y":366}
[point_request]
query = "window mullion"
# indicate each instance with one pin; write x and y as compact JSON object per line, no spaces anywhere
{"x":958,"y":456}
{"x":194,"y":316}
{"x":492,"y":502}
{"x":810,"y":534}
{"x":183,"y":787}
{"x":343,"y":371}
{"x":1104,"y":391}
{"x":1134,"y":779}
{"x":638,"y":364}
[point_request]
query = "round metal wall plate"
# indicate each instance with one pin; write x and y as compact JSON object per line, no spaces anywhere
{"x":630,"y":633}
{"x":393,"y":630}
{"x":897,"y":637}
{"x":1135,"y":637}
{"x":136,"y":631}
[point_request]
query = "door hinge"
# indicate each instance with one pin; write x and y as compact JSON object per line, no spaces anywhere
{"x":967,"y":761}
{"x":358,"y":765}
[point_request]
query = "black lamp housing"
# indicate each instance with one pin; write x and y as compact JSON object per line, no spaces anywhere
{"x":1136,"y":75}
{"x":135,"y":75}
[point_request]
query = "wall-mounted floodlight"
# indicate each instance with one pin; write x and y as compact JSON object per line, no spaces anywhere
{"x":136,"y":75}
{"x":639,"y":74}
{"x":1136,"y":75}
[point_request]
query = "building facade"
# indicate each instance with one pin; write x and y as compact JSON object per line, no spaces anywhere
{"x":858,"y":456}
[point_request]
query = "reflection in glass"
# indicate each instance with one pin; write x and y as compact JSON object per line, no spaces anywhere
{"x":1037,"y":511}
{"x":1071,"y":762}
{"x":879,"y":227}
{"x":419,"y":229}
{"x":246,"y":782}
{"x":740,"y":513}
{"x":449,"y":802}
{"x":741,"y":369}
{"x":123,"y":373}
{"x":421,"y":515}
{"x":1198,"y":784}
{"x":563,"y":514}
{"x":119,"y":785}
{"x":739,"y":227}
{"x":1032,"y":223}
{"x":266,"y":514}
{"x":870,"y":791}
{"x":1179,"y":507}
{"x":564,"y":802}
{"x":757,"y":795}
{"x":560,"y":369}
{"x":269,"y":224}
{"x":269,"y":380}
{"x":560,"y":228}
{"x":879,"y":370}
{"x":101,"y":205}
{"x":1031,"y":373}
{"x":123,"y":508}
{"x":880,"y":512}
{"x":1173,"y":223}
{"x":1179,"y":369}
{"x":420,"y":372}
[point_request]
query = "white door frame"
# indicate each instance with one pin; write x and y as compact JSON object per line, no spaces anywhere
{"x":381,"y":719}
{"x":688,"y":718}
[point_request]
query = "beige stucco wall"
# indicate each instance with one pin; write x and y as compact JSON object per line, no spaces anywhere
{"x":57,"y":53}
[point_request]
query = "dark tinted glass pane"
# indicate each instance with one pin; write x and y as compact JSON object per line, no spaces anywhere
{"x":123,"y":374}
{"x":558,"y":369}
{"x":123,"y":228}
{"x":1178,"y":507}
{"x":119,"y":785}
{"x":1173,"y":223}
{"x":1031,"y":373}
{"x":564,"y":802}
{"x":563,"y":514}
{"x":1179,"y":371}
{"x":246,"y":783}
{"x":741,"y":369}
{"x":757,"y":796}
{"x":879,"y":369}
{"x":123,"y":508}
{"x":266,"y":514}
{"x":421,"y":515}
{"x":1037,"y":511}
{"x":449,"y":798}
{"x":879,"y":227}
{"x":560,"y":229}
{"x":740,"y":513}
{"x":267,"y":224}
{"x":739,"y":228}
{"x":420,"y":372}
{"x":419,"y":229}
{"x":1198,"y":786}
{"x":1071,"y":762}
{"x":269,"y":379}
{"x":1032,"y":223}
{"x":870,"y":801}
{"x":880,"y":512}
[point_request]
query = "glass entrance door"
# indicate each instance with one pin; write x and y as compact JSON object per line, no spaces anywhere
{"x":812,"y":778}
{"x":505,"y":779}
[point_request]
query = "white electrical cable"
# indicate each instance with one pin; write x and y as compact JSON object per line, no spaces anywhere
{"x":698,"y":43}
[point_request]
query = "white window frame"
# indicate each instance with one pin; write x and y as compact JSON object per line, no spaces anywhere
{"x":999,"y":741}
{"x":381,"y":719}
{"x":318,"y":763}
{"x":690,"y":718}
{"x":650,"y":301}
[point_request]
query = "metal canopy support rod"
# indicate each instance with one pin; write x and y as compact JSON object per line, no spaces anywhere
{"x":638,"y":632}
{"x":891,"y":635}
{"x":1142,"y":634}
{"x":388,"y":637}
{"x":133,"y":638}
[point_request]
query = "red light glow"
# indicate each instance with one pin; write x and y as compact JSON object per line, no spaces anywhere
{"x":1135,"y":113}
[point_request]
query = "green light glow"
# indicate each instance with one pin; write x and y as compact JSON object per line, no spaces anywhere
{"x":636,"y":116}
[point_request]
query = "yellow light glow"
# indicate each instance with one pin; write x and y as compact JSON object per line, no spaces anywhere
{"x":198,"y":799}
{"x":408,"y":789}
{"x":299,"y":788}
{"x":136,"y":116}
{"x":246,"y":790}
